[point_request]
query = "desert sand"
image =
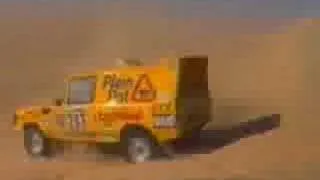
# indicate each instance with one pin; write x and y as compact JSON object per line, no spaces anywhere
{"x":256,"y":67}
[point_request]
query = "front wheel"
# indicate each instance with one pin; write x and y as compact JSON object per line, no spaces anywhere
{"x":36,"y":144}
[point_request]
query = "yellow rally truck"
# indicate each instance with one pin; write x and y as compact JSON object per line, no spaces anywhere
{"x":140,"y":107}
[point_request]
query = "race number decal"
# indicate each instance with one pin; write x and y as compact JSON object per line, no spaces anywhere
{"x":76,"y":122}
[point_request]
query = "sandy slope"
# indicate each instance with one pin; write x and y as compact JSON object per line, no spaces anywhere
{"x":253,"y":69}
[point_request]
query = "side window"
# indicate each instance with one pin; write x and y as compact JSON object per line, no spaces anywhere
{"x":81,"y":91}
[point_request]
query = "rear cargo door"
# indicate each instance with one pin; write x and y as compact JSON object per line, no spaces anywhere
{"x":193,"y":97}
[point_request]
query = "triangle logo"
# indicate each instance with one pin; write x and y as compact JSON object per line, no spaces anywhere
{"x":144,"y":90}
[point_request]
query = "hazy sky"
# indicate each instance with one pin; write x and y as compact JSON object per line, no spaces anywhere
{"x":199,"y":8}
{"x":261,"y":8}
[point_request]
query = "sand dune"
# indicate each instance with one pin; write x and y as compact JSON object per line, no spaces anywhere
{"x":255,"y":67}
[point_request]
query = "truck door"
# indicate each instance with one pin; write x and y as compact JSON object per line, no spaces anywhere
{"x":79,"y":109}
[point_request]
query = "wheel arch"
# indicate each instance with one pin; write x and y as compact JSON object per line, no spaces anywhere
{"x":132,"y":128}
{"x":31,"y":125}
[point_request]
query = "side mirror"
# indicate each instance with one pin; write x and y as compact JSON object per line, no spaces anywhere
{"x":58,"y":102}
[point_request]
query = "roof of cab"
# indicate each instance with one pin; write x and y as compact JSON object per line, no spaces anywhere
{"x":129,"y":65}
{"x":114,"y":70}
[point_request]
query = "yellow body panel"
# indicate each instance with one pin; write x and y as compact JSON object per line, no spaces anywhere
{"x":113,"y":106}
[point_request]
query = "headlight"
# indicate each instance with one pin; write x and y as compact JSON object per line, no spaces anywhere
{"x":165,"y":121}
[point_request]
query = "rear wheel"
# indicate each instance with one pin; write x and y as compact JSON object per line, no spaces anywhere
{"x":36,"y":144}
{"x":138,"y":146}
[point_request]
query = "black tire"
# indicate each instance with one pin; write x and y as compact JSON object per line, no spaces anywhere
{"x":138,"y":146}
{"x":36,"y":144}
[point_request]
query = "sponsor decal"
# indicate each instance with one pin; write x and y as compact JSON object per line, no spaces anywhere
{"x":144,"y":90}
{"x":118,"y":87}
{"x":122,"y":114}
{"x":165,"y":121}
